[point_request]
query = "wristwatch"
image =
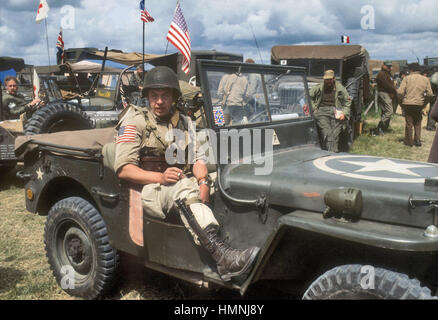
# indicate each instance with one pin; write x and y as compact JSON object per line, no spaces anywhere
{"x":204,"y":181}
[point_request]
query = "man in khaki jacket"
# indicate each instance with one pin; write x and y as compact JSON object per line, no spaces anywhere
{"x":140,"y":158}
{"x":415,"y":92}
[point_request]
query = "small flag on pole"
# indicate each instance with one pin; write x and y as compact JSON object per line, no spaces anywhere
{"x":144,"y":14}
{"x":345,"y":39}
{"x":60,"y":59}
{"x":36,"y":84}
{"x":178,"y":35}
{"x":43,"y":11}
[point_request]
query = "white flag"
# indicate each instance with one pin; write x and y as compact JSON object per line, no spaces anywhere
{"x":36,"y":84}
{"x":43,"y":11}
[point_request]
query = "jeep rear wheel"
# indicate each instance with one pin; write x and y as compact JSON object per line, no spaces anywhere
{"x":57,"y":117}
{"x":78,"y":251}
{"x":365,"y":282}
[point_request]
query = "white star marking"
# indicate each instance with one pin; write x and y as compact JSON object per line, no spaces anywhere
{"x":378,"y":165}
{"x":387,"y":165}
{"x":39,"y":174}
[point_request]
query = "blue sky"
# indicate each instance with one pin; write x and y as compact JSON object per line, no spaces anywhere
{"x":394,"y":29}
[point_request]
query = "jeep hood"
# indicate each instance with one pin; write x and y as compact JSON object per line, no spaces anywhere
{"x":301,"y":177}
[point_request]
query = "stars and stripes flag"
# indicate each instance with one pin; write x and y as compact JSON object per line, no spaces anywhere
{"x":144,"y":14}
{"x":178,"y":35}
{"x":345,"y":39}
{"x":126,"y":134}
{"x":60,"y":46}
{"x":43,"y":11}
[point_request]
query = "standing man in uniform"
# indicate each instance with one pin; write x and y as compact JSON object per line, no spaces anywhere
{"x":140,"y":158}
{"x":13,"y":102}
{"x":233,"y":95}
{"x":387,"y":96}
{"x":331,"y":107}
{"x":415,"y":92}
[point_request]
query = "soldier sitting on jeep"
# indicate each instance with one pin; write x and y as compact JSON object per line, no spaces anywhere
{"x":14,"y":103}
{"x":140,"y":159}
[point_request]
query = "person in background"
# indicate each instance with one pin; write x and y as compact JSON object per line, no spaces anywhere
{"x":331,"y":105}
{"x":387,"y":95}
{"x":433,"y":155}
{"x":14,"y":103}
{"x":415,"y":92}
{"x":434,"y":84}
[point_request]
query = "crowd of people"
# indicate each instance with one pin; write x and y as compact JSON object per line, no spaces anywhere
{"x":413,"y":93}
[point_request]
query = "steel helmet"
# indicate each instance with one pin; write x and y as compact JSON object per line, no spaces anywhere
{"x":159,"y":78}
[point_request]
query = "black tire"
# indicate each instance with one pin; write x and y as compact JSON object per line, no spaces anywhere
{"x":57,"y":117}
{"x":76,"y":239}
{"x":347,"y":136}
{"x":350,"y":282}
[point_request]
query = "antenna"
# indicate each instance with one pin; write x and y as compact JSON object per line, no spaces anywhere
{"x":255,"y":39}
{"x":418,"y":60}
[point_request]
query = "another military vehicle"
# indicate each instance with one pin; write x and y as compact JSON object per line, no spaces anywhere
{"x":350,"y":64}
{"x":329,"y":225}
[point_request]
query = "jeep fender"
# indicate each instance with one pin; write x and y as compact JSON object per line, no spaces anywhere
{"x":374,"y":234}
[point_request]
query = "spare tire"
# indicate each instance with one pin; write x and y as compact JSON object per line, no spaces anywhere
{"x":57,"y":117}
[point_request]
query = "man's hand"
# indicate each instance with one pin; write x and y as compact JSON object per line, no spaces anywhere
{"x":341,"y":116}
{"x":36,"y":102}
{"x":172,"y":175}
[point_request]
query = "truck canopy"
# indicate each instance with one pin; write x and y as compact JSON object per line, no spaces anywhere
{"x":286,"y":52}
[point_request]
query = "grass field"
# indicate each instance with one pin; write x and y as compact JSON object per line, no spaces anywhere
{"x":25,"y":274}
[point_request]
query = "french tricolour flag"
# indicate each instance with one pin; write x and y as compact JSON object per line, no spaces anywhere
{"x":345,"y":39}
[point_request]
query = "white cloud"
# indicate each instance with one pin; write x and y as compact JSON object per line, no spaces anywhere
{"x":401,"y":26}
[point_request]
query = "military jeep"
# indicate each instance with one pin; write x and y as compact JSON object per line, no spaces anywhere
{"x":350,"y":64}
{"x":329,"y":225}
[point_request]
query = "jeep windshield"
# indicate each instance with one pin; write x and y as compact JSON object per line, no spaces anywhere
{"x":245,"y":94}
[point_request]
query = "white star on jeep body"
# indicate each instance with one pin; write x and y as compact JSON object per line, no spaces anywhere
{"x":40,"y":173}
{"x":387,"y":165}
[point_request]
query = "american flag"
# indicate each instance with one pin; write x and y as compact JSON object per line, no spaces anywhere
{"x":178,"y":35}
{"x":144,"y":14}
{"x":60,"y":46}
{"x":126,"y":134}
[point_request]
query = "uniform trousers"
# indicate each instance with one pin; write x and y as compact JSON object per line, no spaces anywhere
{"x":159,"y":200}
{"x":387,"y":108}
{"x":330,"y":128}
{"x":413,"y":117}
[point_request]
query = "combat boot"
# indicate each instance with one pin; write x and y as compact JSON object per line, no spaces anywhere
{"x":230,"y":262}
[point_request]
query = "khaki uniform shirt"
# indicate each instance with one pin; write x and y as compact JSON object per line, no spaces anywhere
{"x":13,"y":105}
{"x":232,"y":90}
{"x":415,"y":90}
{"x":140,"y":133}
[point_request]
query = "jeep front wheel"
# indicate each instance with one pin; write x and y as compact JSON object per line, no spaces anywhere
{"x":365,"y":282}
{"x":77,"y":247}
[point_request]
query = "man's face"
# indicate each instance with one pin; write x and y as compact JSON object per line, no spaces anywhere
{"x":160,"y":101}
{"x":11,"y":87}
{"x":328,"y":83}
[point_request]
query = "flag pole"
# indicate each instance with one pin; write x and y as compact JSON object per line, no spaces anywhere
{"x":47,"y":40}
{"x":143,"y":43}
{"x":167,"y":44}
